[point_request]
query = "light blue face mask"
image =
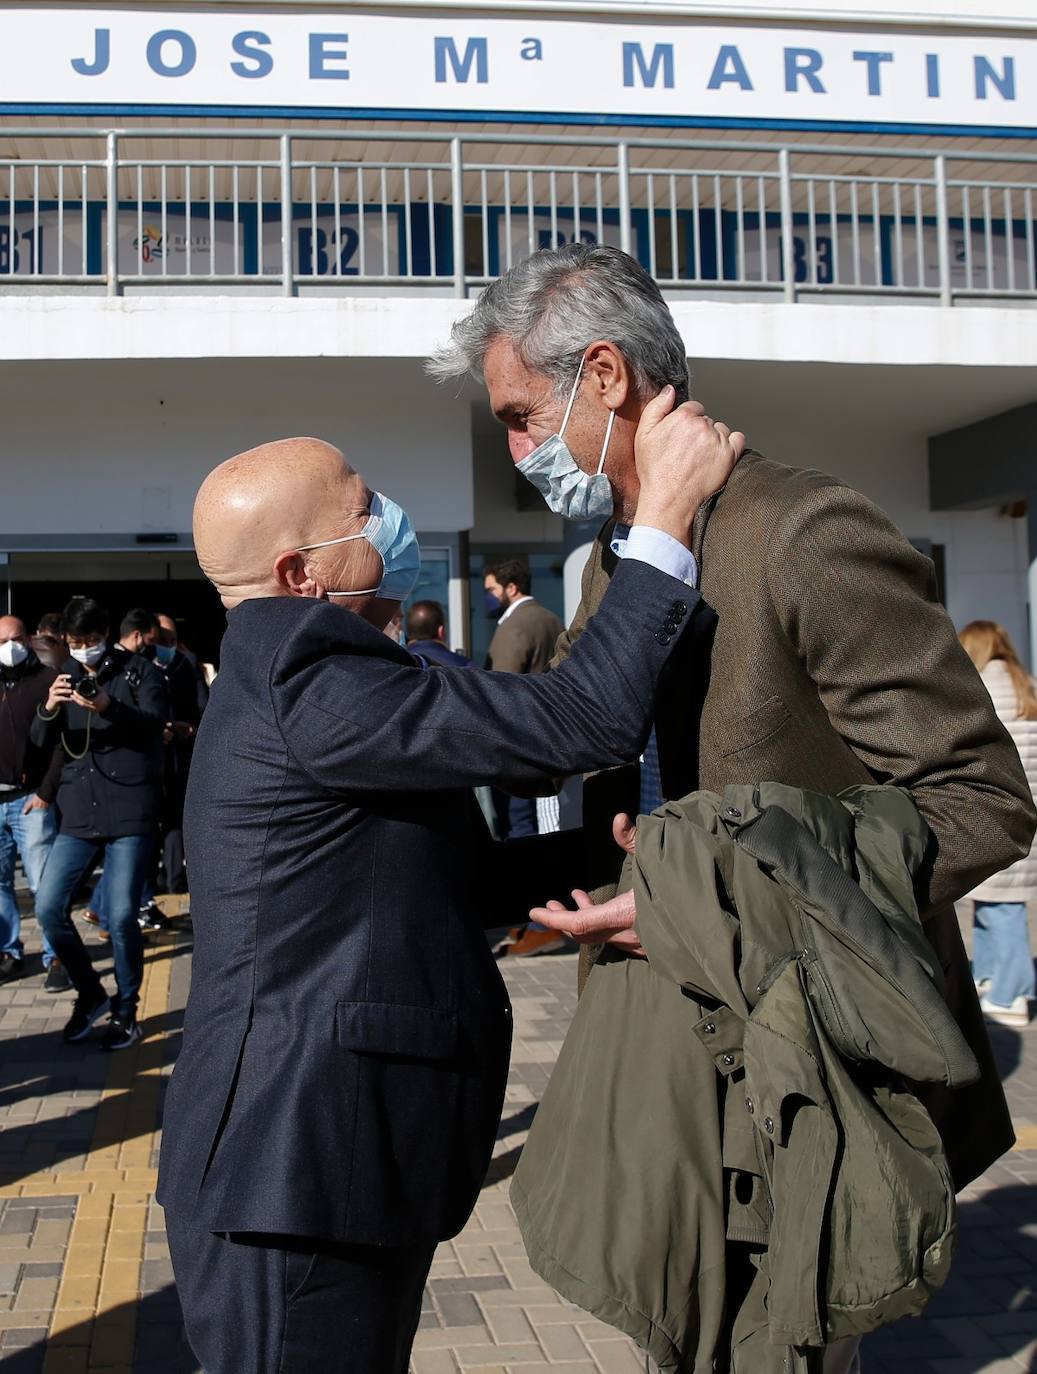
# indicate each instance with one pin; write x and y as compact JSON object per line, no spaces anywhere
{"x":390,"y":531}
{"x":567,"y":489}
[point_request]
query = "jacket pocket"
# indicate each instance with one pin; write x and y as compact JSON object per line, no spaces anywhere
{"x":754,"y":728}
{"x":393,"y":1029}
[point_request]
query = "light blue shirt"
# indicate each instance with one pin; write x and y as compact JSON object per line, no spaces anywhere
{"x":661,"y":550}
{"x":669,"y":555}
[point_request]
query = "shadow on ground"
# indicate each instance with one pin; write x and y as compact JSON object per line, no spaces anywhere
{"x":986,"y":1314}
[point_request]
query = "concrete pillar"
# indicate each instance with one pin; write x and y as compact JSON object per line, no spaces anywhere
{"x":578,"y":539}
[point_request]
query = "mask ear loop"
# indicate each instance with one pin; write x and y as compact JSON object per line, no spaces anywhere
{"x":345,"y":539}
{"x":605,"y":445}
{"x":572,"y":399}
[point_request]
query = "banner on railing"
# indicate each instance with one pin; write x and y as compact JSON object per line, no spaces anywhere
{"x":237,"y":242}
{"x":336,"y":62}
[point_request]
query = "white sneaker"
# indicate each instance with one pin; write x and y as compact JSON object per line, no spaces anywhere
{"x":1017,"y":1015}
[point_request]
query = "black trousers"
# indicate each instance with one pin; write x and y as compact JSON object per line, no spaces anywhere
{"x":259,"y":1304}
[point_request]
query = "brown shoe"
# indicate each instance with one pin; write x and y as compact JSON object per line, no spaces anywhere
{"x":91,"y":917}
{"x":530,"y":942}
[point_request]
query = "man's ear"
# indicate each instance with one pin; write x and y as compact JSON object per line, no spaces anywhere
{"x":441,"y":634}
{"x":292,"y":578}
{"x":609,"y":374}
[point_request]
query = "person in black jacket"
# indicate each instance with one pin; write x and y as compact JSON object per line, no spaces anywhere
{"x":426,"y":636}
{"x":188,"y":698}
{"x":106,"y":712}
{"x":336,"y":1098}
{"x":28,"y":786}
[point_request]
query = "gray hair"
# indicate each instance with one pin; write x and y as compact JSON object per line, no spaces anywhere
{"x":556,"y":303}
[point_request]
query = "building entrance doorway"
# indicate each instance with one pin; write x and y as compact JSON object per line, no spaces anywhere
{"x":162,"y":582}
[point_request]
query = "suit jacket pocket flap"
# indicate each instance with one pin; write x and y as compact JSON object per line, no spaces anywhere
{"x":754,"y":728}
{"x":389,"y":1028}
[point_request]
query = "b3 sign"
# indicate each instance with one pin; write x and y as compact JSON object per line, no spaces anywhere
{"x":333,"y":62}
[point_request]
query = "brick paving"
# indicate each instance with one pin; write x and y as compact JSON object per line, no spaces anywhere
{"x":85,"y":1280}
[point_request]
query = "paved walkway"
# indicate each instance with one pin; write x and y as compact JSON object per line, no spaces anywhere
{"x":85,"y":1282}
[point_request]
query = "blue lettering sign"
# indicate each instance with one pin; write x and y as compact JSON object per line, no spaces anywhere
{"x":188,"y":53}
{"x":805,"y":63}
{"x":932,"y":75}
{"x":874,"y":61}
{"x":662,"y":56}
{"x":102,"y":55}
{"x":729,"y":67}
{"x":476,"y":51}
{"x":247,"y":45}
{"x":532,"y":50}
{"x":1004,"y":80}
{"x":322,"y":52}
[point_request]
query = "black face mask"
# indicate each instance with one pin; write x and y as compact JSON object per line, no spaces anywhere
{"x":494,"y":608}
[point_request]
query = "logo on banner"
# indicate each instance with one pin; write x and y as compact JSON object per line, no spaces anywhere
{"x":150,"y":245}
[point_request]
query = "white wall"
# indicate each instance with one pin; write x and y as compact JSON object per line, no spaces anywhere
{"x":869,"y":426}
{"x":102,"y":447}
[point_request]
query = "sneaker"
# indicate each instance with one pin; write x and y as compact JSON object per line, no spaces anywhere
{"x":57,"y":979}
{"x":89,"y":1006}
{"x":1017,"y":1015}
{"x":11,"y":967}
{"x":528,"y":943}
{"x":121,"y":1034}
{"x":151,"y":917}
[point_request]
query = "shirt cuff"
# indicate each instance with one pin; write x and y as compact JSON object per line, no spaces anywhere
{"x":662,"y":551}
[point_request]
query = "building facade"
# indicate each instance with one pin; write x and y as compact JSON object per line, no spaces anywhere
{"x":223,"y":224}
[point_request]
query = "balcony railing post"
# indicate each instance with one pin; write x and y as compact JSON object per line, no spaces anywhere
{"x":287,"y":265}
{"x":788,"y":239}
{"x":623,"y":173}
{"x":943,"y":239}
{"x":112,"y":208}
{"x":457,"y":213}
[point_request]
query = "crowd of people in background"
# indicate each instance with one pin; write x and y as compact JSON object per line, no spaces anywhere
{"x":96,"y":737}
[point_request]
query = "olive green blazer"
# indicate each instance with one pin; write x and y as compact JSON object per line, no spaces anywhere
{"x":833,"y":664}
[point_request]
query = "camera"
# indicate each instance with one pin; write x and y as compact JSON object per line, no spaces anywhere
{"x":87,"y":687}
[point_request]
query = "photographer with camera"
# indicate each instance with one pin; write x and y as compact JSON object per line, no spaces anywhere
{"x":106,"y":713}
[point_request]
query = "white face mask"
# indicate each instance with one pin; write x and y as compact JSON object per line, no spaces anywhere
{"x":567,"y":489}
{"x":13,"y":653}
{"x":91,"y":655}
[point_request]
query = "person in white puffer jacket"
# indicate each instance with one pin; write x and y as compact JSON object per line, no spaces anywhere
{"x":1002,"y":962}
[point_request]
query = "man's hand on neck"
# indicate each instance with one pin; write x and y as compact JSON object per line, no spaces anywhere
{"x":682,"y":457}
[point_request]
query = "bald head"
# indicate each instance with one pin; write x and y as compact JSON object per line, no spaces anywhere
{"x":255,"y":512}
{"x":11,"y":628}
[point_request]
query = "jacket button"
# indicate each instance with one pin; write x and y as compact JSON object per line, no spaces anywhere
{"x":768,"y":1124}
{"x":733,"y":812}
{"x":727,"y":1060}
{"x":750,"y":1106}
{"x":662,"y":637}
{"x":671,"y":627}
{"x":709,"y":1028}
{"x":680,"y":608}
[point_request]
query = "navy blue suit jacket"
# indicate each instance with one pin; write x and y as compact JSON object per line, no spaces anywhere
{"x":347,"y":1033}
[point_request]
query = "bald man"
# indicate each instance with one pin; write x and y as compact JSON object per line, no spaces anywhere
{"x":345,"y":1051}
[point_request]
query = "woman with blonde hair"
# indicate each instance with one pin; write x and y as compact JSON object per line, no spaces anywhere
{"x":1002,"y":963}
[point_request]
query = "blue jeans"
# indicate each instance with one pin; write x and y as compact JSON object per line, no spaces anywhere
{"x":125,"y":865}
{"x":99,"y":896}
{"x":1001,"y":951}
{"x":31,"y":836}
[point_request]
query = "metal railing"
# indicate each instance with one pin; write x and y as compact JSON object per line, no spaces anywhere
{"x":136,"y":208}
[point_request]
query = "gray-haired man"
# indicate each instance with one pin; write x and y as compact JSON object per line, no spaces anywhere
{"x":572,"y":344}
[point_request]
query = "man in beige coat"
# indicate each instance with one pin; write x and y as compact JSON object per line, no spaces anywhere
{"x":832,"y":662}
